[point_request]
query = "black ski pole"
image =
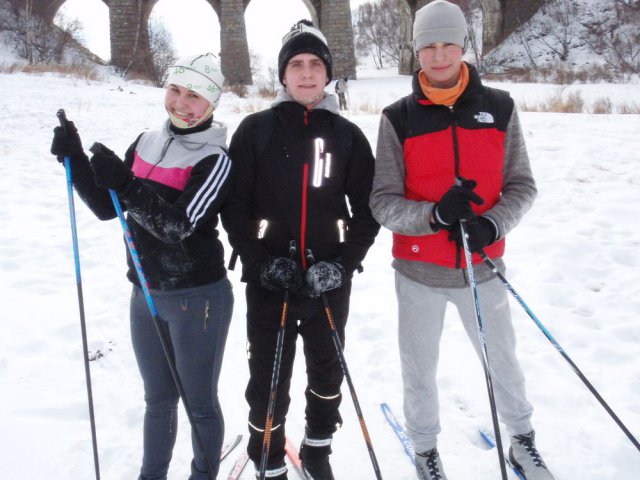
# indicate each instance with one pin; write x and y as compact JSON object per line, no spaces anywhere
{"x":343,"y":363}
{"x":83,"y":328}
{"x":553,"y":341}
{"x":483,"y":345}
{"x":96,"y":148}
{"x":266,"y":439}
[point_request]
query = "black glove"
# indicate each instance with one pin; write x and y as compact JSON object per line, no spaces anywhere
{"x":66,"y":142}
{"x":456,"y":204}
{"x":109,"y":171}
{"x":481,"y":232}
{"x":280,"y":273}
{"x":324,"y":276}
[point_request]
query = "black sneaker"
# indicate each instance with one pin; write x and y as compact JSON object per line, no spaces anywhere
{"x":429,"y":466}
{"x":314,"y":456}
{"x":524,"y":455}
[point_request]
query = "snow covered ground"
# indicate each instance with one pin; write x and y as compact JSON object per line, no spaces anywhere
{"x":574,"y":259}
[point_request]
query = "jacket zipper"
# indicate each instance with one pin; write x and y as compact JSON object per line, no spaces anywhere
{"x":165,"y":147}
{"x":206,"y":315}
{"x":456,"y":166}
{"x":303,"y":209}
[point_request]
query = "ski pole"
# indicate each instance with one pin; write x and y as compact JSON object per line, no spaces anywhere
{"x":266,"y":439}
{"x":553,"y":341}
{"x":96,"y":148}
{"x":483,"y":345}
{"x":347,"y":375}
{"x":83,"y":328}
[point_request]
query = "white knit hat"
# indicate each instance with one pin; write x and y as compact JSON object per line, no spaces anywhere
{"x":200,"y":73}
{"x":439,"y":21}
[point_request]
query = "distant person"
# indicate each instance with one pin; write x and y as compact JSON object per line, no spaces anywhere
{"x":341,"y":89}
{"x":172,"y":183}
{"x":453,"y":150}
{"x":303,"y":174}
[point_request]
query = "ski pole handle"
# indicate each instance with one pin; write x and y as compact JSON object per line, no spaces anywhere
{"x":62,"y":118}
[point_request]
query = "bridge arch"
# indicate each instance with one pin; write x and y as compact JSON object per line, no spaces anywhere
{"x":129,"y":37}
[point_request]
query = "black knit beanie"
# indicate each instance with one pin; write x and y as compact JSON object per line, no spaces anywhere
{"x":304,"y":37}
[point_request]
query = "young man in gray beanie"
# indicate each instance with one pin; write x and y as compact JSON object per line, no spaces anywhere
{"x":453,"y":150}
{"x":303,"y":179}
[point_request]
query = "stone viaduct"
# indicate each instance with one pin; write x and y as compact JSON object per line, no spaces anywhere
{"x":129,"y":19}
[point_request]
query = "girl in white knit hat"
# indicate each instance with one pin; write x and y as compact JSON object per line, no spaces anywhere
{"x":172,"y":183}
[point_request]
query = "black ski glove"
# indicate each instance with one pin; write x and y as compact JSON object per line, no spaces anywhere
{"x":109,"y":171}
{"x":481,"y":232}
{"x":324,"y":276}
{"x":66,"y":143}
{"x":280,"y":273}
{"x":456,"y":204}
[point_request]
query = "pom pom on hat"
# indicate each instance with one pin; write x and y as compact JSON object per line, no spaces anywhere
{"x":200,"y":73}
{"x":439,"y":21}
{"x":304,"y":37}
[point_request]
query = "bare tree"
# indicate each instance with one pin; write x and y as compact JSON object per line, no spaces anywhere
{"x":616,"y":38}
{"x":33,"y":38}
{"x":255,"y":63}
{"x":558,"y":31}
{"x":377,"y":31}
{"x":163,"y":54}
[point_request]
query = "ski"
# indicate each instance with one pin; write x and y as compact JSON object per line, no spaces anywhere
{"x":490,"y":440}
{"x":229,"y":446}
{"x":399,"y":431}
{"x":294,"y":457}
{"x":238,"y":466}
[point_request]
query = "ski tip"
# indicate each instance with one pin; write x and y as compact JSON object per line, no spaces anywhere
{"x":488,"y":438}
{"x":293,"y":454}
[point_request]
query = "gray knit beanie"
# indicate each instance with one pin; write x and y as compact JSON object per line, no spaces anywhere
{"x":439,"y":21}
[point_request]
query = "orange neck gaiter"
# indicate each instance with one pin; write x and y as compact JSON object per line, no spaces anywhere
{"x":445,"y":96}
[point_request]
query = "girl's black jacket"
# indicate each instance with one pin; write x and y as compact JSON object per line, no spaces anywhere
{"x":181,"y":180}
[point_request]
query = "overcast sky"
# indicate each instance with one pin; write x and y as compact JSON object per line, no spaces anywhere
{"x":194,"y":25}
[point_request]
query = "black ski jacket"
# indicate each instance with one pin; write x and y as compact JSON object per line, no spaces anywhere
{"x":181,"y":179}
{"x":294,"y":185}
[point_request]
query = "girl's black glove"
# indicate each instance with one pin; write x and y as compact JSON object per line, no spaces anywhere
{"x":67,"y":143}
{"x":109,"y":171}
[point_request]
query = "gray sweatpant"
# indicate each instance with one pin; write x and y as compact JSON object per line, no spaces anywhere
{"x":421,"y":311}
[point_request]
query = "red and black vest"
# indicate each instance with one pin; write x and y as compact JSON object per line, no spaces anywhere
{"x":443,"y":143}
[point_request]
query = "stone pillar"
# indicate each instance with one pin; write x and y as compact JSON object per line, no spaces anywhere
{"x":492,"y":24}
{"x":234,"y":50}
{"x":335,"y":23}
{"x":406,"y":63}
{"x":517,"y":12}
{"x":129,"y":34}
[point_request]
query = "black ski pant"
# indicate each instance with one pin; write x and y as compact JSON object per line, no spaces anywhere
{"x":306,"y":317}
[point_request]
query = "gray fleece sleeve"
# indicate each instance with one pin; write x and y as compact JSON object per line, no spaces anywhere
{"x":518,"y":187}
{"x":388,"y":203}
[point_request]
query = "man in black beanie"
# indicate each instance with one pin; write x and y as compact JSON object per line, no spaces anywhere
{"x":302,"y":179}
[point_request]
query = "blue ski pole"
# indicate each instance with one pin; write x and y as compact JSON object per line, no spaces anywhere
{"x":483,"y":345}
{"x":96,"y":148}
{"x":553,"y":341}
{"x":85,"y":350}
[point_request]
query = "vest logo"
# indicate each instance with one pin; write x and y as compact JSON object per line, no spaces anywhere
{"x":415,"y":248}
{"x":484,"y":117}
